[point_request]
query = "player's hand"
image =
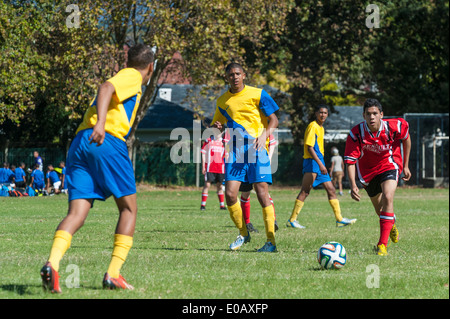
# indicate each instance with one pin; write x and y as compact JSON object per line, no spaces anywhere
{"x":406,"y":174}
{"x":260,"y":142}
{"x":217,"y":125}
{"x":98,"y":134}
{"x":323,"y":170}
{"x":355,"y":193}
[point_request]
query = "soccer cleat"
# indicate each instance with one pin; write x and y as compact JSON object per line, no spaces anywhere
{"x":240,"y":240}
{"x":115,"y":283}
{"x":394,"y":235}
{"x":223,"y":208}
{"x":294,"y":224}
{"x":202,"y":207}
{"x":268,"y":248}
{"x":381,"y":250}
{"x":50,"y":279}
{"x":345,"y":222}
{"x":251,"y":228}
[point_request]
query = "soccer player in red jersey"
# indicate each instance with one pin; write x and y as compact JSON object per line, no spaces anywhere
{"x":213,"y":167}
{"x":373,"y":153}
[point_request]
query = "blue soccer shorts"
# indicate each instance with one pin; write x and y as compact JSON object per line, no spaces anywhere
{"x":247,"y":165}
{"x":97,"y":172}
{"x":311,"y":166}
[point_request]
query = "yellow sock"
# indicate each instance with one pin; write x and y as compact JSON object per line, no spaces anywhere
{"x":336,"y":209}
{"x":122,"y":245}
{"x":236,"y":216}
{"x":61,"y":242}
{"x":269,"y":223}
{"x":297,"y":208}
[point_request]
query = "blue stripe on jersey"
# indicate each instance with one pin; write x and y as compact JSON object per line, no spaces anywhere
{"x":235,"y":126}
{"x":129,"y":105}
{"x":94,"y":103}
{"x":317,"y":149}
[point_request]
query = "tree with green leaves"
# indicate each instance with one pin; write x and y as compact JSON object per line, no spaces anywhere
{"x":409,"y":57}
{"x":75,"y":60}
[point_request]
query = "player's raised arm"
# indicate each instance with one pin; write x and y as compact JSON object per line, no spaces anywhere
{"x":217,"y":125}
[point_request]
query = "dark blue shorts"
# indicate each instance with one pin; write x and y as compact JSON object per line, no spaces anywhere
{"x":97,"y":172}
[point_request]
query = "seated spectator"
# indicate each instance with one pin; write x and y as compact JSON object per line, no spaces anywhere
{"x":53,"y":179}
{"x":20,"y":176}
{"x":37,"y":179}
{"x":6,"y":175}
{"x":61,"y":170}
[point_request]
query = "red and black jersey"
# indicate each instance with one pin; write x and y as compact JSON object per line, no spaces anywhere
{"x":376,"y":152}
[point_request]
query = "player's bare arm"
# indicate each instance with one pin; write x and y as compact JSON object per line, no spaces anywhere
{"x":406,"y":151}
{"x":105,"y":93}
{"x":260,"y":142}
{"x":354,"y":190}
{"x":313,"y":154}
{"x":218,"y":125}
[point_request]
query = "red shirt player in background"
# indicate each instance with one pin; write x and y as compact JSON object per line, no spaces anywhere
{"x":373,"y":153}
{"x":213,"y":167}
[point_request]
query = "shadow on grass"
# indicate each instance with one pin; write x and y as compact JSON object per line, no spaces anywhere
{"x":29,"y":290}
{"x":21,"y":290}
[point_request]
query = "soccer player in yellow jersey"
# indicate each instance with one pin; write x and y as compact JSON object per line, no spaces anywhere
{"x":98,"y":167}
{"x":315,"y":171}
{"x":249,"y":114}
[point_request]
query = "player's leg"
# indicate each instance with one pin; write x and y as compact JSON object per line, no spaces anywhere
{"x":387,"y":216}
{"x":78,"y":211}
{"x":245,"y":190}
{"x":376,"y":203}
{"x":275,"y":215}
{"x":220,"y":194}
{"x":262,"y":192}
{"x":307,"y":182}
{"x":205,"y":192}
{"x":123,"y":241}
{"x":245,"y":206}
{"x":335,"y":205}
{"x":234,"y":207}
{"x":381,"y":191}
{"x":339,"y":180}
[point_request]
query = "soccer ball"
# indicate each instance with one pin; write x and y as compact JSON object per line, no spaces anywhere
{"x":332,"y":255}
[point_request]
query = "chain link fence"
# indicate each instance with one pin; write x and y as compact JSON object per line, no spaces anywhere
{"x":153,"y":164}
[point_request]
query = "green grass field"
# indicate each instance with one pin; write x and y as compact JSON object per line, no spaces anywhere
{"x":180,"y":252}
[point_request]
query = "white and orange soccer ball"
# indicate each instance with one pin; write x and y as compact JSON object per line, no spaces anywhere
{"x":332,"y":255}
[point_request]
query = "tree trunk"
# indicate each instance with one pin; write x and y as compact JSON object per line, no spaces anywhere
{"x":147,"y":99}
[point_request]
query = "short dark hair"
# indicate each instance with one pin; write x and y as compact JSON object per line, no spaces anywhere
{"x":321,"y":106}
{"x":233,"y":65}
{"x":372,"y":102}
{"x":140,"y":56}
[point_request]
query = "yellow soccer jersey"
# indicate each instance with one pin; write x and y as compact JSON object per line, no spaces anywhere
{"x":314,"y":137}
{"x":123,"y":106}
{"x":245,"y":112}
